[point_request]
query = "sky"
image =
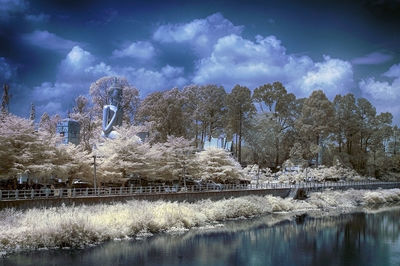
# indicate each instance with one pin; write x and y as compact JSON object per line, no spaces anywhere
{"x":51,"y":51}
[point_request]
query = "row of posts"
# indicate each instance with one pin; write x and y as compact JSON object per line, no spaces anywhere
{"x":16,"y":194}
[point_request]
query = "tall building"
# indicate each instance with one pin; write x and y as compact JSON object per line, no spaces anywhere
{"x":69,"y":130}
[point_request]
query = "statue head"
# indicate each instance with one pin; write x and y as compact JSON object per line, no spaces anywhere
{"x":115,"y":94}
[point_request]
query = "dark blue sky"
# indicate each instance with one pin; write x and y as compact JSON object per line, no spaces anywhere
{"x":50,"y":51}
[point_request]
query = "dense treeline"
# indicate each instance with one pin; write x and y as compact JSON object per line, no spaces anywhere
{"x":268,"y":127}
{"x":269,"y":123}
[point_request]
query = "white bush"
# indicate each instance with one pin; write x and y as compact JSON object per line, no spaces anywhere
{"x":83,"y":225}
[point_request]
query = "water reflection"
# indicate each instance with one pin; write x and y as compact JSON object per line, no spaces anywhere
{"x":357,"y":239}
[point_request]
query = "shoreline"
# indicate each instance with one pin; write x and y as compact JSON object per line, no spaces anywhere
{"x":83,"y":226}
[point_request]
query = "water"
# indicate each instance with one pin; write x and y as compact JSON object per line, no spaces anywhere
{"x":352,"y":239}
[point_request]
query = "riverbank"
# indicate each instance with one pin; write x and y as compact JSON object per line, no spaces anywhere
{"x":79,"y":226}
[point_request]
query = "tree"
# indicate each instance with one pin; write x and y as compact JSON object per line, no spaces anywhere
{"x":346,"y":125}
{"x":164,"y":111}
{"x":89,"y":128}
{"x":130,"y":96}
{"x":32,"y":115}
{"x":259,"y":137}
{"x":49,"y":125}
{"x":73,"y":162}
{"x":394,"y":144}
{"x":217,"y":164}
{"x":121,"y":157}
{"x":212,"y":110}
{"x":240,"y":108}
{"x":5,"y":100}
{"x":315,"y":122}
{"x":172,"y":160}
{"x":24,"y":150}
{"x":191,"y":109}
{"x":282,"y":111}
{"x":381,"y":133}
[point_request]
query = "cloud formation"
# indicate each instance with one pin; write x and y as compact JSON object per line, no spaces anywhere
{"x":236,"y":60}
{"x":202,"y":34}
{"x":385,"y":95}
{"x":139,"y":50}
{"x":374,"y":58}
{"x":80,"y":68}
{"x":48,"y":40}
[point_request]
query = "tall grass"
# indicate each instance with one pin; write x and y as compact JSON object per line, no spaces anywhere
{"x":78,"y":226}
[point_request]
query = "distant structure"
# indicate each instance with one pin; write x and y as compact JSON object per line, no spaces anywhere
{"x":69,"y":130}
{"x":112,"y":113}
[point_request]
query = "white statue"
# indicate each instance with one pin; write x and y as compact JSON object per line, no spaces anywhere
{"x":112,"y":113}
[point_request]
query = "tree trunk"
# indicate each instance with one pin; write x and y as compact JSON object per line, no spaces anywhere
{"x":236,"y":145}
{"x":240,"y":140}
{"x":277,"y":152}
{"x":317,"y":162}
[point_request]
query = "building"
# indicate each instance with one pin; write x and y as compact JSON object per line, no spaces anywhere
{"x":69,"y":130}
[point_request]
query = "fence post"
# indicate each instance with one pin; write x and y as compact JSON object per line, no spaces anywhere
{"x":1,"y":194}
{"x":87,"y":192}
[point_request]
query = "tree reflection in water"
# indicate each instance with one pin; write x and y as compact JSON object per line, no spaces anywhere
{"x":353,"y":239}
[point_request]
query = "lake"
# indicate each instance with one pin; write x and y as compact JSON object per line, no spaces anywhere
{"x":370,"y":238}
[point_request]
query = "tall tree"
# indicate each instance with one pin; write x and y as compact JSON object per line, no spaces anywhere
{"x":240,"y":108}
{"x":5,"y":100}
{"x":191,"y":109}
{"x":346,"y":125}
{"x":281,"y":110}
{"x":212,"y":109}
{"x":164,"y":111}
{"x":89,"y":127}
{"x":32,"y":115}
{"x":48,"y":124}
{"x":25,"y":151}
{"x":315,"y":122}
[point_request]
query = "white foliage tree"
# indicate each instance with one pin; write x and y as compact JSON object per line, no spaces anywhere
{"x":218,"y":165}
{"x":171,"y":160}
{"x":24,"y":150}
{"x":121,"y":157}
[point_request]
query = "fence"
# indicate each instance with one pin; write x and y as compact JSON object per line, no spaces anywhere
{"x":126,"y":191}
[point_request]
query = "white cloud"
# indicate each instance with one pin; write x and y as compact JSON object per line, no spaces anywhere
{"x":374,"y":58}
{"x":383,"y":90}
{"x":393,"y":72}
{"x":334,"y":76}
{"x":380,"y":90}
{"x":80,"y":68}
{"x":55,"y":97}
{"x":385,"y":95}
{"x":202,"y":34}
{"x":235,"y":60}
{"x":10,"y":7}
{"x":140,"y":50}
{"x":152,"y":80}
{"x":47,"y":40}
{"x":75,"y":74}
